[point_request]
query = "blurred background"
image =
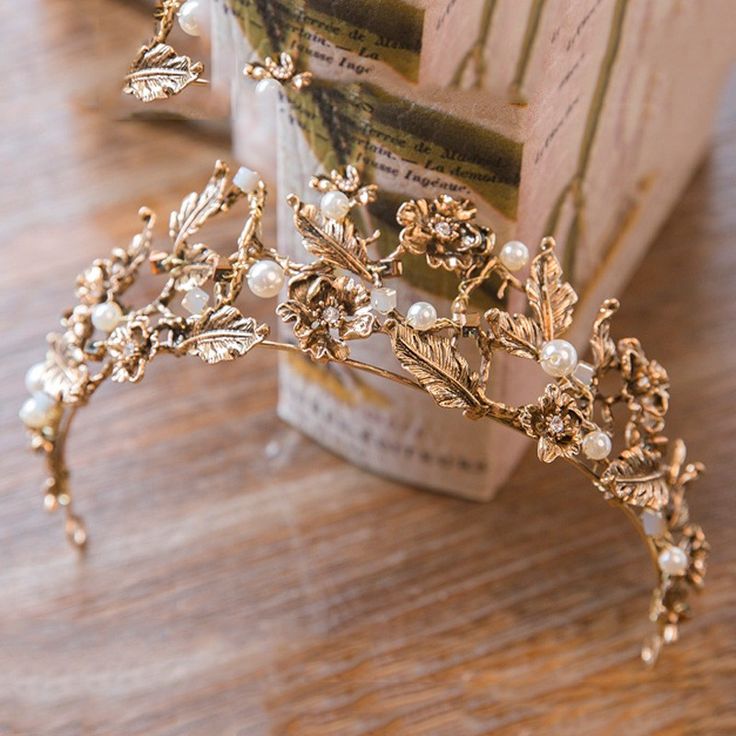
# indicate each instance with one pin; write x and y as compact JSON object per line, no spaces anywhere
{"x":242,"y":580}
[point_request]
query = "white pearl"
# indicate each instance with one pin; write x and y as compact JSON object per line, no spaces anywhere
{"x":558,"y":358}
{"x":267,"y":87}
{"x":265,"y":279}
{"x":514,"y":255}
{"x":597,"y":445}
{"x":107,"y":316}
{"x":195,"y":300}
{"x":37,"y":411}
{"x":334,"y":205}
{"x":653,"y":522}
{"x":192,"y":17}
{"x":421,"y":315}
{"x":673,"y":561}
{"x":34,"y":378}
{"x":246,"y":179}
{"x":383,"y":300}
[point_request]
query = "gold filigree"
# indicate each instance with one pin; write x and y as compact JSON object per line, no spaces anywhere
{"x":337,"y":296}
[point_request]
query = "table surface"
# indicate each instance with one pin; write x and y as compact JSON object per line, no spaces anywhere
{"x":241,"y":580}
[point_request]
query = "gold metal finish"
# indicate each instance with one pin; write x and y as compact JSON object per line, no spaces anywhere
{"x":158,"y":71}
{"x":329,"y":304}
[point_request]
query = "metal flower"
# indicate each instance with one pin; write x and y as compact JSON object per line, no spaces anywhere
{"x":131,"y":345}
{"x":442,"y":230}
{"x":646,"y":384}
{"x":326,"y":312}
{"x":556,"y":421}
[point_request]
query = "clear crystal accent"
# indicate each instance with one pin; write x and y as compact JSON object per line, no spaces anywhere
{"x":653,"y":523}
{"x":584,"y":372}
{"x":443,"y":229}
{"x":195,"y":300}
{"x":383,"y":299}
{"x":557,"y":425}
{"x":331,"y":315}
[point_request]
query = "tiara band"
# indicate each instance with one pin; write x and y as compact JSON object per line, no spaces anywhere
{"x":339,"y":296}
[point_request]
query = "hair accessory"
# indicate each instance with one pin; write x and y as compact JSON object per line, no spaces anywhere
{"x":341,"y":295}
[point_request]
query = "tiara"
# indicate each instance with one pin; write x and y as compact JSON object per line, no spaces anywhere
{"x":340,"y":295}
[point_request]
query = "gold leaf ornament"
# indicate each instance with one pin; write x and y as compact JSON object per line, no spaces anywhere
{"x":438,"y":367}
{"x":516,"y":334}
{"x":159,"y":73}
{"x":333,"y":242}
{"x":638,"y":478}
{"x":196,"y":209}
{"x":550,"y":298}
{"x":222,"y":334}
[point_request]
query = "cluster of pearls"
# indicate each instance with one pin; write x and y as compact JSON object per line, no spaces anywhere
{"x":193,"y":16}
{"x":38,"y":410}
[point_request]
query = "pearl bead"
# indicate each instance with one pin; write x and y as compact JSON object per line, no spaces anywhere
{"x":107,"y":316}
{"x":421,"y":315}
{"x":195,"y":300}
{"x":653,"y":522}
{"x":267,"y":87}
{"x":37,"y":411}
{"x":673,"y":561}
{"x":334,"y":205}
{"x":514,"y":255}
{"x":558,"y":358}
{"x":265,"y":279}
{"x":597,"y":445}
{"x":383,"y":300}
{"x":34,"y":378}
{"x":246,"y":179}
{"x":192,"y":17}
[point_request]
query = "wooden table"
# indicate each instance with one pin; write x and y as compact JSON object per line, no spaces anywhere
{"x":225,"y":591}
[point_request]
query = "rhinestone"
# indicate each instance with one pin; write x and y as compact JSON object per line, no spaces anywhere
{"x":331,"y":315}
{"x":383,"y":299}
{"x":443,"y":229}
{"x":584,"y":373}
{"x":557,"y":425}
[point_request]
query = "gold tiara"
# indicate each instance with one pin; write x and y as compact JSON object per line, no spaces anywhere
{"x":341,"y":295}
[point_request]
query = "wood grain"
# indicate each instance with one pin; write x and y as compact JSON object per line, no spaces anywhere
{"x":241,"y":580}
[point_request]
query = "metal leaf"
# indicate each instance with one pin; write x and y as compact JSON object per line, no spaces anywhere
{"x":159,"y":73}
{"x":196,"y":209}
{"x":438,"y":367}
{"x":516,"y":334}
{"x":65,"y":376}
{"x":638,"y":478}
{"x":601,"y":343}
{"x":223,"y":334}
{"x":550,"y":298}
{"x":334,"y":243}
